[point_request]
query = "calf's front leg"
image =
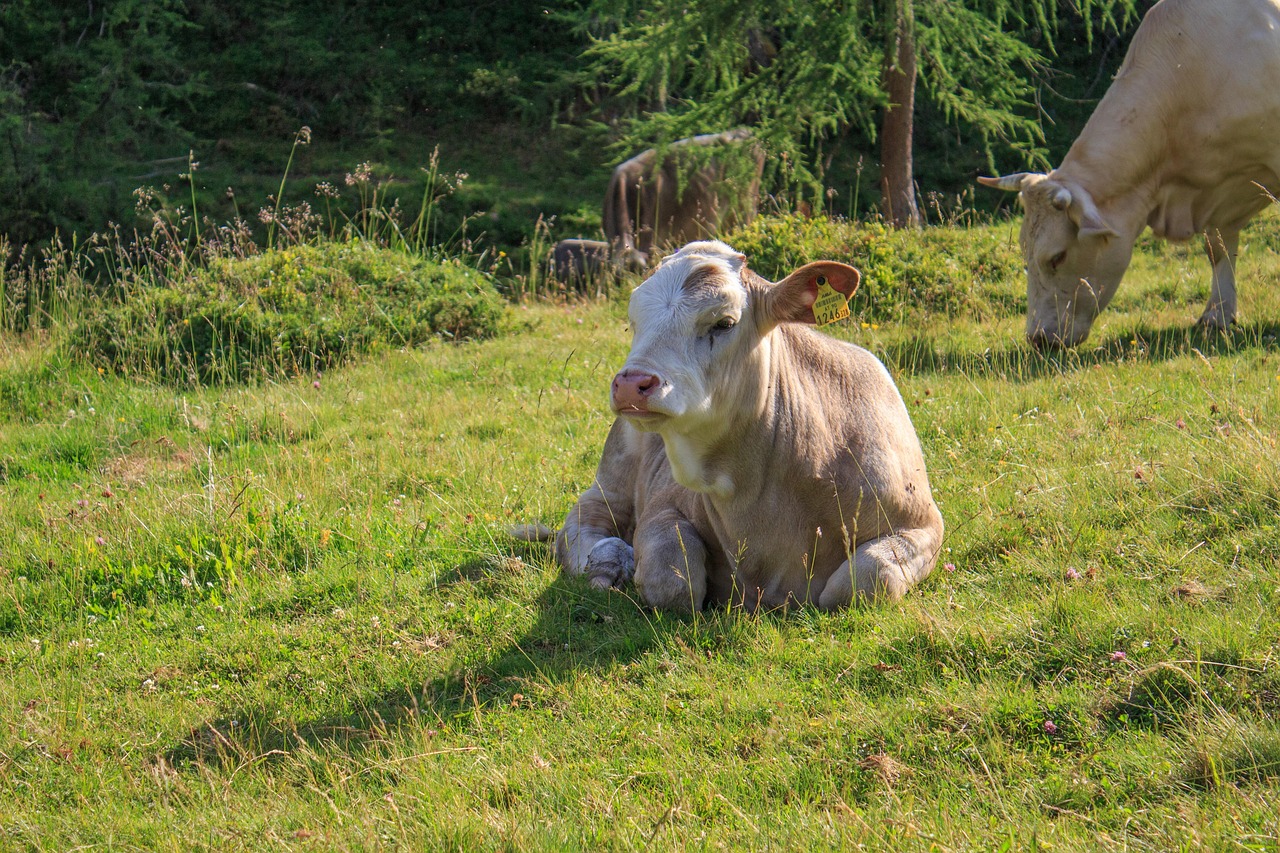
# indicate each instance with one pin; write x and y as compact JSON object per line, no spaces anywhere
{"x":671,"y":562}
{"x":593,"y":539}
{"x":590,"y":542}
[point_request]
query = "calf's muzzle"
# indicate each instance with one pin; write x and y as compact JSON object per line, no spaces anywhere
{"x":632,"y":390}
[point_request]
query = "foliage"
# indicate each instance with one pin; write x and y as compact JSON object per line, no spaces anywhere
{"x":807,"y":75}
{"x":83,"y":88}
{"x":99,"y":98}
{"x":945,"y":270}
{"x":296,"y":310}
{"x":361,"y":71}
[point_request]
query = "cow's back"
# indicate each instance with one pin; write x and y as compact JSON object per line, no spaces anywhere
{"x":689,"y":194}
{"x":1191,"y":124}
{"x":872,"y":440}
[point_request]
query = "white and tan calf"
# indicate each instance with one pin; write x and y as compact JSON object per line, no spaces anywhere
{"x":754,"y":461}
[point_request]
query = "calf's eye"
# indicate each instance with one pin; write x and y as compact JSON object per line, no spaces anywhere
{"x":1056,"y":260}
{"x":724,"y":324}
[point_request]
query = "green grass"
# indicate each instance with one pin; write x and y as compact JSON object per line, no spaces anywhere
{"x":283,"y":616}
{"x":287,"y":311}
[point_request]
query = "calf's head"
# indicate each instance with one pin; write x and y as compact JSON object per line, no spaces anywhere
{"x":1074,"y":259}
{"x":701,"y":327}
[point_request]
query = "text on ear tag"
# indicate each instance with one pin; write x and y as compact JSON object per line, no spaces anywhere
{"x":831,"y":305}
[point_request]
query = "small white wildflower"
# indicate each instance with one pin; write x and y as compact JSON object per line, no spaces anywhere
{"x":199,"y":629}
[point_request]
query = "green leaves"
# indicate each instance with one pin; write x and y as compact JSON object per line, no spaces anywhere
{"x":805,"y":74}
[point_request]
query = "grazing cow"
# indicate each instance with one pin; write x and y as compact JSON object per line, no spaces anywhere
{"x":754,"y":460}
{"x":578,"y":262}
{"x":687,"y":193}
{"x":1186,"y":140}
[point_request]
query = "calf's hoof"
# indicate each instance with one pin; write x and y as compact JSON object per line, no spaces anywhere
{"x":611,"y":563}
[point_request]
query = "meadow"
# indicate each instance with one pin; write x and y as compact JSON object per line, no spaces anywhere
{"x":277,"y":609}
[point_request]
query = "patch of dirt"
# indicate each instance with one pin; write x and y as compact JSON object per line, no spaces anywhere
{"x":147,"y":461}
{"x":889,"y":769}
{"x":1192,"y":591}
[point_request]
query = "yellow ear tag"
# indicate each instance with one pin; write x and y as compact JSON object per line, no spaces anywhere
{"x":831,"y":305}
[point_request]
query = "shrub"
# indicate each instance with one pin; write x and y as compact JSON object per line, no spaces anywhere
{"x":947,"y":270}
{"x":287,"y":311}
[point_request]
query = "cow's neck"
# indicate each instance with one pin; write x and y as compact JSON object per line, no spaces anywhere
{"x":693,"y":464}
{"x":730,"y":464}
{"x":726,"y":458}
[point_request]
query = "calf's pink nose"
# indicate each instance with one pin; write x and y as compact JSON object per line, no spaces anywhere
{"x":632,"y":389}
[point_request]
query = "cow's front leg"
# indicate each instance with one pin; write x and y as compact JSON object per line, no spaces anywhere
{"x":671,"y":563}
{"x":883,"y":569}
{"x":1222,"y":248}
{"x":592,"y":540}
{"x":589,"y":542}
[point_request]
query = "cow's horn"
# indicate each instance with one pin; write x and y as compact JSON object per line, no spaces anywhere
{"x":1008,"y":183}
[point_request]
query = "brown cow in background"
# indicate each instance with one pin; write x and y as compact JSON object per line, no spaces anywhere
{"x":683,"y":195}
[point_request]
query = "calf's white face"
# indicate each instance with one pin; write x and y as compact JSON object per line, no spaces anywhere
{"x":688,"y":319}
{"x":701,"y":329}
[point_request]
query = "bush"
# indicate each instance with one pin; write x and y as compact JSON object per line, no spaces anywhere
{"x":287,"y":311}
{"x":947,"y":270}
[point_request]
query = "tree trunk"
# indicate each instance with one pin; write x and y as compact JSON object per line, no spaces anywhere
{"x":897,"y":182}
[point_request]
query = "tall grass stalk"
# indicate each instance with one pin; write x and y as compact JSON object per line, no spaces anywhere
{"x":430,"y":203}
{"x":302,"y":137}
{"x":195,"y":209}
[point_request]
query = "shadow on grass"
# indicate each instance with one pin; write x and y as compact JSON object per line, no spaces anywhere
{"x":576,"y":629}
{"x":1017,"y":361}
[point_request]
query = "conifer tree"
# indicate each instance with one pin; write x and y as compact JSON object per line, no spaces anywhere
{"x":805,"y":72}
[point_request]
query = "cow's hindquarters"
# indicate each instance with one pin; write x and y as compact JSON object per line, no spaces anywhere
{"x":884,"y":569}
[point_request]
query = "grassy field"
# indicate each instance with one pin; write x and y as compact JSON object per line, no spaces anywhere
{"x":285,"y":615}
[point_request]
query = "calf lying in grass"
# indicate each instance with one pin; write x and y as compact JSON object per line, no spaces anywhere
{"x":754,"y":460}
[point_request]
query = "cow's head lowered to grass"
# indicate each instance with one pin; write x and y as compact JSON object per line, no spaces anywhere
{"x":699,"y":324}
{"x":1074,"y":258}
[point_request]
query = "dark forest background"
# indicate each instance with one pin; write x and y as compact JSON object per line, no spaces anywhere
{"x":98,"y":99}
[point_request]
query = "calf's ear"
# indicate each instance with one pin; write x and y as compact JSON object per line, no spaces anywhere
{"x":791,"y":300}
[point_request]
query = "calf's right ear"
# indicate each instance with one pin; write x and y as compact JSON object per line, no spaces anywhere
{"x":791,"y":300}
